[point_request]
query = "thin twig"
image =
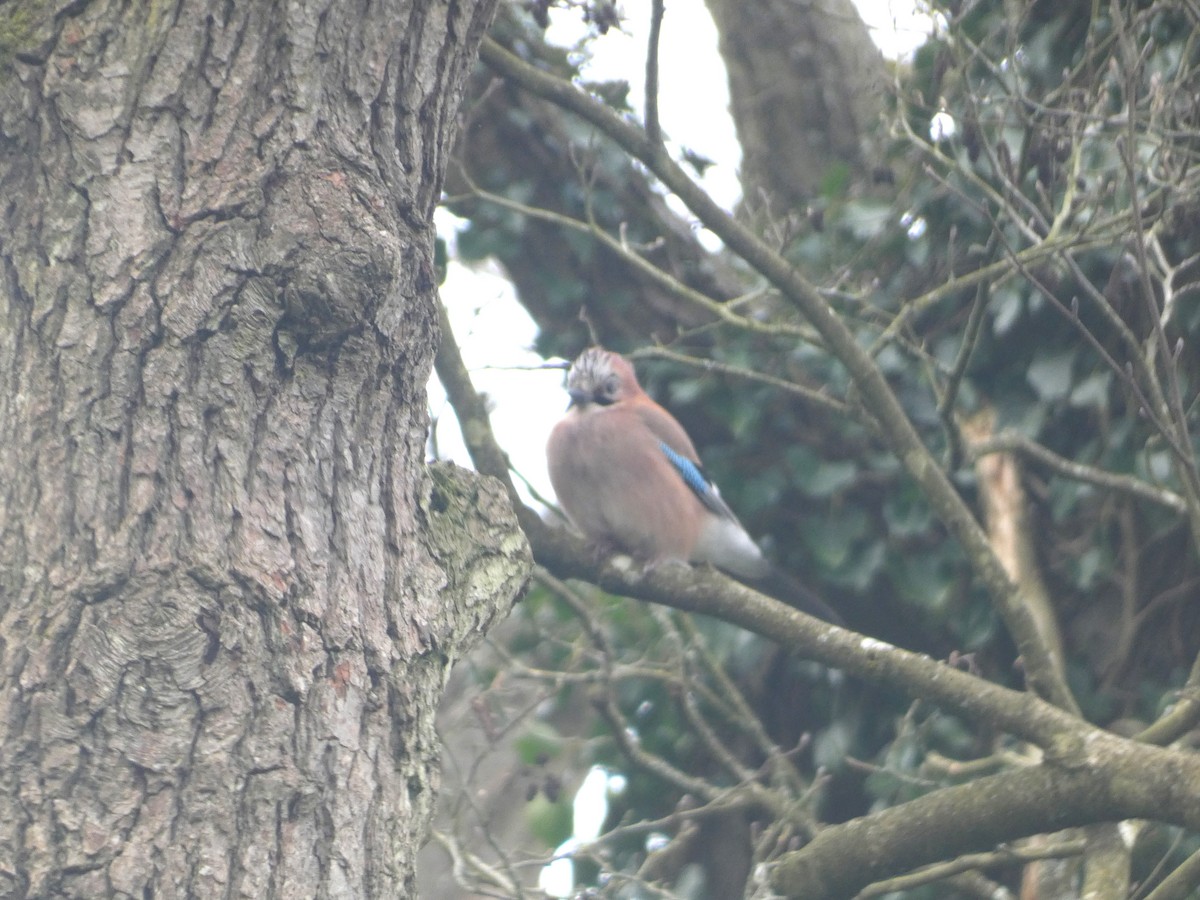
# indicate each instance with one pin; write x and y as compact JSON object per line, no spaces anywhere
{"x":1180,"y":718}
{"x":1181,"y":883}
{"x":1126,"y":484}
{"x":1172,"y":394}
{"x":723,"y":311}
{"x":653,"y":128}
{"x":817,"y":398}
{"x":1004,"y":856}
{"x":945,"y":405}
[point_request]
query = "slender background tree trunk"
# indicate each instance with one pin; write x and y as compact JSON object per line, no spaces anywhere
{"x":806,"y":88}
{"x":228,"y":590}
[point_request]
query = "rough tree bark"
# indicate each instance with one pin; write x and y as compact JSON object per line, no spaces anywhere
{"x":229,"y":588}
{"x":805,"y":86}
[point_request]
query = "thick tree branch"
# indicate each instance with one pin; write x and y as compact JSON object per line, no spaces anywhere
{"x":1093,"y":781}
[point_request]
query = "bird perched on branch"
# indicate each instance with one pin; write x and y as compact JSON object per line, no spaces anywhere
{"x":628,"y":477}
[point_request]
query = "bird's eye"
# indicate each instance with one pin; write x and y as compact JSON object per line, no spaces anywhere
{"x":611,"y":383}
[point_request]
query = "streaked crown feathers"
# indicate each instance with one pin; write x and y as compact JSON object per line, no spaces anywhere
{"x":600,"y":377}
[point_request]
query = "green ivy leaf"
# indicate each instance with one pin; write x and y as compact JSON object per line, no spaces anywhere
{"x":832,"y":745}
{"x":1006,"y":306}
{"x":835,"y":181}
{"x":867,"y":219}
{"x":906,"y":513}
{"x":922,"y":579}
{"x":831,"y":540}
{"x":550,"y":823}
{"x":1092,"y":391}
{"x":537,"y":745}
{"x":1050,"y":375}
{"x":818,"y":477}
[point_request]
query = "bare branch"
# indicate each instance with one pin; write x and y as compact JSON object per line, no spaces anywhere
{"x":1127,"y":484}
{"x":1004,"y":856}
{"x":653,"y":128}
{"x":1181,"y":883}
{"x":1057,"y":794}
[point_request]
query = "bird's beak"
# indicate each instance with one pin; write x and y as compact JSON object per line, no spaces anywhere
{"x":578,"y":397}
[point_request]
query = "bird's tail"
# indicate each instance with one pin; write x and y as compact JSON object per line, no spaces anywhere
{"x":786,"y":589}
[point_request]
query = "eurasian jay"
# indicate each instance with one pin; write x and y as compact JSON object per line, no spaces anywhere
{"x":628,"y":477}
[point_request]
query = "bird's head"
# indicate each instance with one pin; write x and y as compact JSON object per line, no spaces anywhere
{"x":601,"y":378}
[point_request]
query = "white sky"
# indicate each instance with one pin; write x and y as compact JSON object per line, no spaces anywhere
{"x":493,"y":331}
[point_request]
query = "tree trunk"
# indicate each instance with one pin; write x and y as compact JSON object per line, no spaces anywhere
{"x":229,"y":591}
{"x":806,"y":87}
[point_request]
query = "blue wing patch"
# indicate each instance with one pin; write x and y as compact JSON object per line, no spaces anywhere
{"x":695,"y":478}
